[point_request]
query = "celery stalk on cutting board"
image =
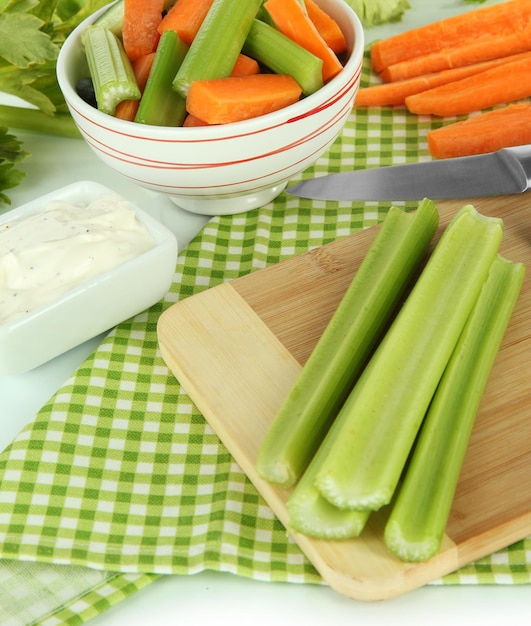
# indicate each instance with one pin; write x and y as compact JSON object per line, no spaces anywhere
{"x":379,"y":421}
{"x":343,"y":349}
{"x":420,"y":513}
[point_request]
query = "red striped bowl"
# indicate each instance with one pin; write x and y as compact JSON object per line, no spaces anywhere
{"x":225,"y":169}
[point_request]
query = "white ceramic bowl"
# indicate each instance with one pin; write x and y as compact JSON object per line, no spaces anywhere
{"x":220,"y":170}
{"x":94,"y":306}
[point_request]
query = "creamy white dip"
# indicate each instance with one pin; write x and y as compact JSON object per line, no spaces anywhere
{"x":45,"y":255}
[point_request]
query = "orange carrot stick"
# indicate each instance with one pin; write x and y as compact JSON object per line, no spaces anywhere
{"x":245,"y":66}
{"x":225,"y":100}
{"x":487,"y":132}
{"x":483,"y":49}
{"x":506,"y":17}
{"x":126,"y":109}
{"x":499,"y":85}
{"x":327,"y":26}
{"x":185,"y":17}
{"x":190,"y":121}
{"x":395,"y":93}
{"x":291,"y":20}
{"x":139,"y":31}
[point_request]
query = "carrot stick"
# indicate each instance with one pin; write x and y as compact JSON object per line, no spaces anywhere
{"x":225,"y":100}
{"x":327,"y":26}
{"x":185,"y":17}
{"x":487,"y":132}
{"x":190,"y":121}
{"x":245,"y":66}
{"x":291,"y":20}
{"x":499,"y":85}
{"x":139,"y":30}
{"x":395,"y":93}
{"x":483,"y":49}
{"x":126,"y":109}
{"x":506,"y":17}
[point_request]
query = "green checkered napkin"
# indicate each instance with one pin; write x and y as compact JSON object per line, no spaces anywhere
{"x":119,"y":479}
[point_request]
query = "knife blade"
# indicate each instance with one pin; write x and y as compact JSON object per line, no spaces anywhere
{"x":505,"y":172}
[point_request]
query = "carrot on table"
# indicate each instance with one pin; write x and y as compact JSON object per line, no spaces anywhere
{"x":232,"y":99}
{"x":499,"y":85}
{"x":245,"y":66}
{"x":185,"y":17}
{"x":394,"y":93}
{"x":291,"y":20}
{"x":139,"y":31}
{"x":486,"y":132}
{"x":126,"y":109}
{"x":327,"y":26}
{"x":506,"y":17}
{"x":484,"y":48}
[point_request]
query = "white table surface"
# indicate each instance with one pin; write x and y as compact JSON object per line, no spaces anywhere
{"x":56,"y":162}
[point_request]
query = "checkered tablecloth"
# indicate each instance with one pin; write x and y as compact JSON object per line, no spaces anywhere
{"x":119,"y":480}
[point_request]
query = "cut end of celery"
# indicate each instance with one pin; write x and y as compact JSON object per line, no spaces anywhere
{"x":347,"y":499}
{"x":406,"y":550}
{"x":276,"y":473}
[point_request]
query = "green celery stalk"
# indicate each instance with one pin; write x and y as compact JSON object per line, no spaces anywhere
{"x":420,"y":513}
{"x":218,"y":43}
{"x":344,"y":347}
{"x":160,"y":105}
{"x":282,"y":55}
{"x":110,"y":69}
{"x":362,"y":469}
{"x":24,"y":118}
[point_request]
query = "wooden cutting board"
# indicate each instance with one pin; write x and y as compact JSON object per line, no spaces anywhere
{"x":237,"y":349}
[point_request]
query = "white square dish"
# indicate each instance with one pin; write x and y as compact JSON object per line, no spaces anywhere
{"x":95,"y":305}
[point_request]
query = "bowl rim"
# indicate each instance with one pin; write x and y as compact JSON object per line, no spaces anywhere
{"x":299,"y":110}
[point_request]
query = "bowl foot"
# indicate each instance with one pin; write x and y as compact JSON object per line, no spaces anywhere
{"x":228,"y":205}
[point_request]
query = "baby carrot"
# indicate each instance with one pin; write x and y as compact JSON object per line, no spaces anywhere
{"x":505,"y":17}
{"x":484,"y":48}
{"x":139,"y":30}
{"x":185,"y":17}
{"x":232,"y":99}
{"x":499,"y":85}
{"x":395,"y":93}
{"x":487,"y":132}
{"x":292,"y":20}
{"x":327,"y":26}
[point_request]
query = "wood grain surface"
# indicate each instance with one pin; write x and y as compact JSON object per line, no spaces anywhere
{"x":237,"y":349}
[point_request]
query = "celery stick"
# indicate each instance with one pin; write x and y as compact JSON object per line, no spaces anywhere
{"x":419,"y":516}
{"x":350,"y":336}
{"x":110,"y":69}
{"x":218,"y":43}
{"x":314,"y":516}
{"x":362,"y":469}
{"x":282,"y":55}
{"x":160,"y":104}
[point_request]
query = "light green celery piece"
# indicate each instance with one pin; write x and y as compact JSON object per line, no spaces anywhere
{"x":218,"y":42}
{"x":395,"y":389}
{"x":314,"y":516}
{"x":358,"y":323}
{"x":419,"y":516}
{"x":282,"y":55}
{"x":110,"y":69}
{"x":160,"y":105}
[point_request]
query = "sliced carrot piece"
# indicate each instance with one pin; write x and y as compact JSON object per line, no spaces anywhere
{"x":498,"y":19}
{"x":476,"y":51}
{"x":245,"y":66}
{"x":191,"y":121}
{"x":232,"y":99}
{"x":139,"y":31}
{"x":487,"y":132}
{"x":499,"y":85}
{"x":327,"y":26}
{"x":185,"y":17}
{"x":126,"y":109}
{"x":291,"y":20}
{"x":395,"y":93}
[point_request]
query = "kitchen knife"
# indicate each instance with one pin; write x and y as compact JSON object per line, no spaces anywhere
{"x":507,"y":171}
